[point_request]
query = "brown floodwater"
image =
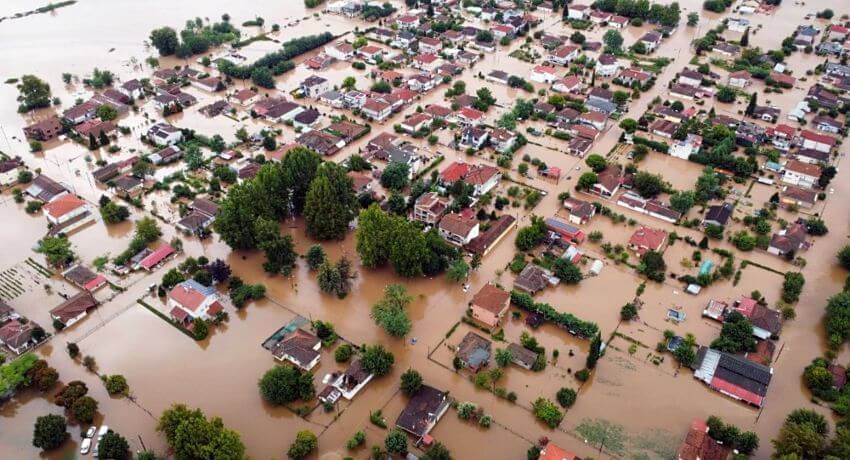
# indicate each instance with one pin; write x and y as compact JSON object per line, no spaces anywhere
{"x":220,"y":374}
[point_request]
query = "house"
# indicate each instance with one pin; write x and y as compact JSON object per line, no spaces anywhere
{"x":598,"y":120}
{"x":191,"y":300}
{"x":283,"y":111}
{"x":827,"y":124}
{"x":788,"y":241}
{"x":651,"y":40}
{"x":407,"y":21}
{"x":740,"y":79}
{"x":766,"y":113}
{"x":563,"y":55}
{"x":628,"y":77}
{"x":607,"y":66}
{"x":94,"y":128}
{"x":580,"y":211}
{"x":65,"y":209}
{"x":683,"y":149}
{"x":133,"y":89}
{"x":501,"y":31}
{"x":354,"y":379}
{"x":488,"y":239}
{"x":426,"y":62}
{"x":474,"y":137}
{"x":300,"y":348}
{"x":738,"y":24}
{"x":306,"y":119}
{"x":799,"y":197}
{"x":819,"y":142}
{"x":73,"y":309}
{"x":313,"y":86}
{"x":483,"y":178}
{"x":686,"y":92}
{"x":473,"y":351}
{"x":468,"y":116}
{"x":422,"y":82}
{"x":166,"y":155}
{"x":430,"y":45}
{"x":490,"y":304}
{"x":423,"y":411}
{"x":533,"y":279}
{"x":376,"y":109}
{"x":698,"y":445}
{"x":521,"y":356}
{"x":17,"y":335}
{"x":718,"y":215}
{"x":246,"y":97}
{"x":543,"y":74}
{"x":575,"y":11}
{"x":44,"y":130}
{"x":45,"y":189}
{"x":664,"y":128}
{"x":9,"y":171}
{"x":210,"y":84}
{"x":608,"y":182}
{"x":153,"y":259}
{"x":599,"y":17}
{"x":340,"y":50}
{"x":360,"y":182}
{"x":430,"y":207}
{"x":651,"y":208}
{"x":323,"y":143}
{"x":733,"y":376}
{"x":618,"y":22}
{"x":837,"y":32}
{"x":801,"y":174}
{"x":726,"y":49}
{"x":782,"y":79}
{"x":568,"y":84}
{"x":416,"y":122}
{"x":646,"y":239}
{"x":84,"y":278}
{"x":202,"y":215}
{"x":767,"y":323}
{"x":498,"y":76}
{"x":690,"y":77}
{"x":163,"y":134}
{"x":458,"y":229}
{"x":81,"y":112}
{"x":567,"y":232}
{"x":371,"y":54}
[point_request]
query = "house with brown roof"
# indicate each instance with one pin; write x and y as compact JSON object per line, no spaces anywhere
{"x":458,"y":228}
{"x":608,"y":182}
{"x":45,"y":189}
{"x":350,"y":382}
{"x":44,"y":130}
{"x":473,"y":351}
{"x":300,"y":348}
{"x":787,"y":242}
{"x":73,"y":309}
{"x":84,"y":278}
{"x":490,"y":304}
{"x":430,"y":207}
{"x":698,"y":445}
{"x":580,"y":211}
{"x":321,"y":142}
{"x":533,"y":279}
{"x":488,"y":239}
{"x":16,"y":335}
{"x":521,"y":356}
{"x":423,"y":411}
{"x":799,"y":197}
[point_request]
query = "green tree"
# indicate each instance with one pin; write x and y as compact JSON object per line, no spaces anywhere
{"x":165,"y":40}
{"x":200,"y":328}
{"x":391,"y":311}
{"x":114,"y":446}
{"x":736,"y":335}
{"x":567,"y":272}
{"x":315,"y":256}
{"x":547,"y":412}
{"x":396,"y":175}
{"x":57,"y":250}
{"x":693,"y":19}
{"x":116,"y":384}
{"x":458,"y":271}
{"x":305,"y":443}
{"x":396,"y":442}
{"x":191,"y":435}
{"x":106,"y":112}
{"x":597,"y":162}
{"x":50,"y":432}
{"x":587,"y":180}
{"x":33,"y":93}
{"x":437,"y":452}
{"x":682,"y":201}
{"x":652,"y":266}
{"x":566,"y":397}
{"x":595,"y":351}
{"x":343,"y":353}
{"x":648,"y":185}
{"x":844,"y":257}
{"x":262,"y":77}
{"x":799,"y":439}
{"x":503,"y":357}
{"x":613,"y":41}
{"x":84,"y":409}
{"x":282,"y":385}
{"x":331,"y":204}
{"x":377,"y":360}
{"x":837,"y":319}
{"x":751,"y":106}
{"x":726,"y":94}
{"x":411,"y":382}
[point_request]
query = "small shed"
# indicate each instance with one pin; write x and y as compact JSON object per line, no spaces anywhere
{"x":596,"y":267}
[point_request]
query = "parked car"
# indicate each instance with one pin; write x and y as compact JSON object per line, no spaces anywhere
{"x":85,"y":446}
{"x":91,"y":431}
{"x":102,"y":431}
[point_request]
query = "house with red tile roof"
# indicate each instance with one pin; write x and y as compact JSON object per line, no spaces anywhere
{"x":190,"y":300}
{"x":490,"y":304}
{"x":543,"y":74}
{"x":459,"y":229}
{"x":300,"y":348}
{"x":646,"y":239}
{"x":816,"y":141}
{"x":698,"y":445}
{"x":454,"y":172}
{"x":73,"y":309}
{"x":469,"y":116}
{"x":155,"y":258}
{"x":552,"y":451}
{"x":65,"y":209}
{"x":430,"y":207}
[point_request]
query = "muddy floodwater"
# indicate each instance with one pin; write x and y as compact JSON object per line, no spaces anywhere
{"x":649,"y":402}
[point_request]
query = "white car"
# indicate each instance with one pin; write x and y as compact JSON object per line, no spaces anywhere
{"x":102,"y":431}
{"x":91,"y":431}
{"x":85,"y":446}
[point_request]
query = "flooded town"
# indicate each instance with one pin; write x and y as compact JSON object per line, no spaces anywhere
{"x":469,"y":229}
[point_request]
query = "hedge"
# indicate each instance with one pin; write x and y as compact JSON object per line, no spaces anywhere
{"x":657,"y":146}
{"x":568,"y":321}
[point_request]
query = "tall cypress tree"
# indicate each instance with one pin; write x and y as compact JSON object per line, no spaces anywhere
{"x":595,"y":351}
{"x":751,"y":107}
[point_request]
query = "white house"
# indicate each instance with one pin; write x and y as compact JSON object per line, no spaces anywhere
{"x":607,"y":66}
{"x":300,"y":348}
{"x":190,"y":300}
{"x":342,"y":51}
{"x":563,"y":55}
{"x":801,"y":174}
{"x":685,"y":148}
{"x":132,"y":89}
{"x":544,"y":74}
{"x":65,"y":209}
{"x":164,"y":134}
{"x":9,"y":172}
{"x":314,"y":86}
{"x":819,"y":142}
{"x":376,"y":109}
{"x":458,"y":229}
{"x":577,"y":11}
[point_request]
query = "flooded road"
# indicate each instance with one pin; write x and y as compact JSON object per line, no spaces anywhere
{"x":220,"y":373}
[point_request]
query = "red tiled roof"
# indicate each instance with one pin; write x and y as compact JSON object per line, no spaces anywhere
{"x":187,"y":297}
{"x":63,"y":205}
{"x":156,"y":257}
{"x":729,"y":388}
{"x":821,"y":138}
{"x":646,"y":237}
{"x":491,"y":298}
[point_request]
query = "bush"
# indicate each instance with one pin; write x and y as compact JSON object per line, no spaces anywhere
{"x":583,"y":375}
{"x":50,"y":432}
{"x":396,"y":442}
{"x":114,"y":446}
{"x":281,"y":385}
{"x":305,"y":443}
{"x":356,"y":440}
{"x":116,"y":384}
{"x":343,"y":353}
{"x":547,"y":412}
{"x":566,"y":397}
{"x":411,"y":382}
